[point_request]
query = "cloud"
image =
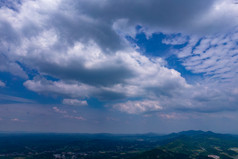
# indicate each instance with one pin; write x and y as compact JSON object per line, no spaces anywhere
{"x":175,"y":40}
{"x":16,"y":120}
{"x":14,"y":99}
{"x":214,"y":56}
{"x":199,"y":17}
{"x":149,"y":78}
{"x":207,"y":97}
{"x":9,"y":38}
{"x":96,"y":68}
{"x":23,"y":112}
{"x":67,"y":115}
{"x":74,"y":117}
{"x":13,"y":4}
{"x":57,"y":110}
{"x":62,"y":23}
{"x":11,"y":67}
{"x":75,"y":102}
{"x":2,"y":84}
{"x":63,"y":38}
{"x":173,"y":116}
{"x":83,"y":45}
{"x":136,"y":107}
{"x":39,"y":118}
{"x":44,"y":86}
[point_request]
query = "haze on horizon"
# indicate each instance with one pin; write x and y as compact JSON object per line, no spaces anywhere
{"x":118,"y":66}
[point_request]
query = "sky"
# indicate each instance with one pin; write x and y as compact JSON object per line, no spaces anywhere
{"x":118,"y":66}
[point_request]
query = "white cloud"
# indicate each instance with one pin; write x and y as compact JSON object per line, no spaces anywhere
{"x":214,"y":56}
{"x":173,"y":116}
{"x":75,"y":102}
{"x":136,"y":107}
{"x":177,"y":40}
{"x":2,"y":84}
{"x":41,"y":85}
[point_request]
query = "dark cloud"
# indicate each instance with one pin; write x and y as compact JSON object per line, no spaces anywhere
{"x":80,"y":27}
{"x":164,"y":15}
{"x":104,"y":75}
{"x":151,"y":12}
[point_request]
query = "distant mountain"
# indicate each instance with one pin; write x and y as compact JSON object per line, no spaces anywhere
{"x":182,"y":145}
{"x":195,"y":144}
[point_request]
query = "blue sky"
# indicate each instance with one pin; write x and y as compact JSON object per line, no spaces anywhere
{"x":120,"y":66}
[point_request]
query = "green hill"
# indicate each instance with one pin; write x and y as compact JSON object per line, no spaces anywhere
{"x":195,"y":144}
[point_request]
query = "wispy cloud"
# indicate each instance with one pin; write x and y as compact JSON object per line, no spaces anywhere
{"x":13,"y":99}
{"x":67,"y":115}
{"x":2,"y":84}
{"x":57,"y":110}
{"x":74,"y":117}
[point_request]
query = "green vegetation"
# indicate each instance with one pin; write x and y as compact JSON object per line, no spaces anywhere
{"x":184,"y":145}
{"x":196,"y":144}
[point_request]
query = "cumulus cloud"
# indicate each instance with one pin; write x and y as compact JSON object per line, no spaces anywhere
{"x":42,"y":85}
{"x":149,"y":78}
{"x":82,"y":44}
{"x":207,"y":97}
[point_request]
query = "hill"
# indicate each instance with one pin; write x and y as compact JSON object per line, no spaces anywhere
{"x":195,"y":144}
{"x":183,"y":145}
